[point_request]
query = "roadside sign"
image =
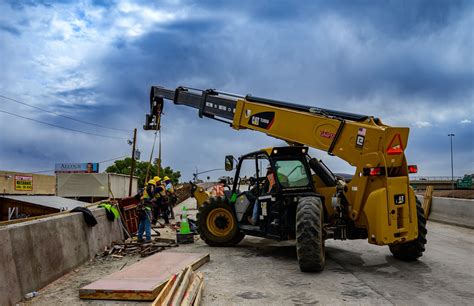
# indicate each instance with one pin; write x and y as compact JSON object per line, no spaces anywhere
{"x":76,"y":168}
{"x":23,"y":183}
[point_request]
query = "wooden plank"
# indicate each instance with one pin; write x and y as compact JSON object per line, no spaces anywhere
{"x":192,"y":291}
{"x":198,"y":299}
{"x":170,"y":295}
{"x":182,"y":287}
{"x":427,"y":199}
{"x":143,"y":280}
{"x":164,"y":292}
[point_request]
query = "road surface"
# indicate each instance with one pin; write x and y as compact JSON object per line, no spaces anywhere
{"x":263,"y":272}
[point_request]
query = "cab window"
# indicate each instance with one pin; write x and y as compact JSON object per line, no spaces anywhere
{"x":291,"y":173}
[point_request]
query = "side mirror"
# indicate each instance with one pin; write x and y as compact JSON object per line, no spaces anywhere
{"x":229,"y":163}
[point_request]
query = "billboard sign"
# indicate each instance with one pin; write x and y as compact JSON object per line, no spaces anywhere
{"x":76,"y":168}
{"x":23,"y":183}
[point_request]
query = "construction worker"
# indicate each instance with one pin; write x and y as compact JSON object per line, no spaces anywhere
{"x":144,"y":210}
{"x":168,"y":185}
{"x":266,"y":189}
{"x":218,"y":189}
{"x":158,"y":196}
{"x":170,"y":193}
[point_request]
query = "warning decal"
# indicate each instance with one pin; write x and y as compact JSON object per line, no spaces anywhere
{"x":395,"y":146}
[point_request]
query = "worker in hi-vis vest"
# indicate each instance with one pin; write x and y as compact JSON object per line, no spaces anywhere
{"x":171,"y":198}
{"x":144,"y":210}
{"x":159,"y":208}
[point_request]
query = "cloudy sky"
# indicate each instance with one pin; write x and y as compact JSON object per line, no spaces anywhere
{"x":410,"y":63}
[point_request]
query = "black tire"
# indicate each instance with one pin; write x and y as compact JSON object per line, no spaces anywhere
{"x":413,"y":250}
{"x":224,"y":221}
{"x":310,"y":248}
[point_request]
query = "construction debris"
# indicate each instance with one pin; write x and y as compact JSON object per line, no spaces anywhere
{"x":145,"y":279}
{"x":130,"y":247}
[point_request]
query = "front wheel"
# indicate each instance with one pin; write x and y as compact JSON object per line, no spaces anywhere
{"x":309,"y":234}
{"x":217,"y":224}
{"x":413,"y":250}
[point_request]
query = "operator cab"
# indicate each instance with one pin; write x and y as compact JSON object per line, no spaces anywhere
{"x":266,"y":187}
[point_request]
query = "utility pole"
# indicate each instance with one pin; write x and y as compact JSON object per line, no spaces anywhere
{"x":132,"y":170}
{"x":452,"y":167}
{"x":158,"y":164}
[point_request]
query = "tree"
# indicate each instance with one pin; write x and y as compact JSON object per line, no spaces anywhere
{"x":123,"y":166}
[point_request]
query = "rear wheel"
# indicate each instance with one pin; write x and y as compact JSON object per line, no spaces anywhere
{"x":217,"y":224}
{"x":413,"y":250}
{"x":309,"y":234}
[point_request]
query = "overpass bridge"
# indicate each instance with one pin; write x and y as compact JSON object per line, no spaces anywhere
{"x":438,"y":182}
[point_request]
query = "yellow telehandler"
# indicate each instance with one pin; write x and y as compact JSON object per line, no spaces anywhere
{"x":282,"y":193}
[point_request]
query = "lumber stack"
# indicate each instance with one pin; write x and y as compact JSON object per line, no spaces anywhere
{"x":145,"y":279}
{"x":184,"y":288}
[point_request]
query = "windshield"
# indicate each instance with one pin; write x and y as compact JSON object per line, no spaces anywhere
{"x":291,"y":173}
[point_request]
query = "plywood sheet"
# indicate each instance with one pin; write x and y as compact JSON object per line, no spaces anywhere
{"x":144,"y":279}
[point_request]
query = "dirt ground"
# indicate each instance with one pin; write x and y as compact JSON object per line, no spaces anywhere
{"x":263,"y":272}
{"x":460,"y":193}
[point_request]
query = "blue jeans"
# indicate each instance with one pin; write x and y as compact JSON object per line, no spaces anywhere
{"x":255,"y":211}
{"x":145,"y":226}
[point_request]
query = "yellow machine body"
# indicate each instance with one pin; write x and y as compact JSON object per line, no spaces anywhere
{"x":371,"y":198}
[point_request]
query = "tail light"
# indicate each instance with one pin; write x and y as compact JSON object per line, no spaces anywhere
{"x":376,"y":171}
{"x":412,"y":169}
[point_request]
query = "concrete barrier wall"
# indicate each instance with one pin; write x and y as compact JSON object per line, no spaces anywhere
{"x":35,"y":253}
{"x":452,"y":211}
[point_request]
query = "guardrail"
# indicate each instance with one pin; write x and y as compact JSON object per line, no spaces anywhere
{"x":453,"y":211}
{"x":434,"y":178}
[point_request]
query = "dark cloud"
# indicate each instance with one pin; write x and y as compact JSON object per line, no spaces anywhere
{"x":10,"y":29}
{"x":408,"y":62}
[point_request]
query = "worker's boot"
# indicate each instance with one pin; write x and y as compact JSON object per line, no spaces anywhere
{"x":251,"y":221}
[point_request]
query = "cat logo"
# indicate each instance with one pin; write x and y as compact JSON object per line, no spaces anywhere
{"x":399,"y":199}
{"x":262,"y":120}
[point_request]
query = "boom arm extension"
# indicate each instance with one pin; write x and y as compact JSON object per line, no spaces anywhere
{"x":349,"y":136}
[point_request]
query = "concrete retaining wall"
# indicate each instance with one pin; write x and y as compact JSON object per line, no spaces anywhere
{"x":35,"y":253}
{"x":452,"y":211}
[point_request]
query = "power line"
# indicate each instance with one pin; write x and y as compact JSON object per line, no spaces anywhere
{"x":60,"y":115}
{"x":103,"y":161}
{"x":62,"y":127}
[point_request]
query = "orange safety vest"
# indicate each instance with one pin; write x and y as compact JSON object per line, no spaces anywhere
{"x":218,"y":190}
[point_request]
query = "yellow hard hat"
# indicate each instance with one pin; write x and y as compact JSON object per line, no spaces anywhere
{"x":157,"y":179}
{"x":166,"y":178}
{"x":151,"y":182}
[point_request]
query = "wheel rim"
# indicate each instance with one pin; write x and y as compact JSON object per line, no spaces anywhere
{"x":220,"y":222}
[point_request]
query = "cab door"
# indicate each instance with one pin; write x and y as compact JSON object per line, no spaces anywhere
{"x":268,"y":209}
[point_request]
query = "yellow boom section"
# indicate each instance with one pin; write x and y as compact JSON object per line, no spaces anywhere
{"x":355,"y":140}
